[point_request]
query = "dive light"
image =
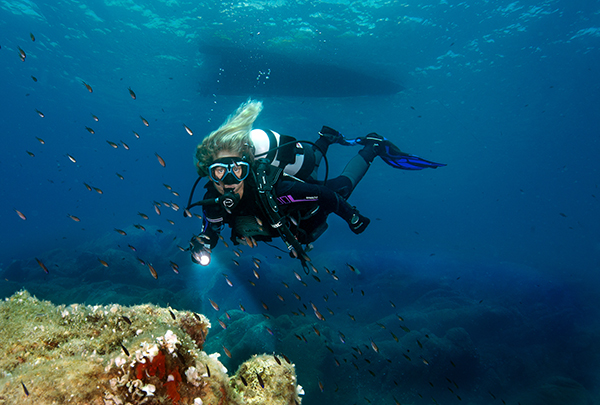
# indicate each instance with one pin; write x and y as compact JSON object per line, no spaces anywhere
{"x":200,"y":253}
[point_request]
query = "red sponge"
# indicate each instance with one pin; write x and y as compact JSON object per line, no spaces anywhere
{"x":154,"y":367}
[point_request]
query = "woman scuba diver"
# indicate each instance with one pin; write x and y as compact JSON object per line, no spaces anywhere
{"x":264,"y":185}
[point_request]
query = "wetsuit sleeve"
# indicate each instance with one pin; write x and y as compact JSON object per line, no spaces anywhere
{"x":212,"y":222}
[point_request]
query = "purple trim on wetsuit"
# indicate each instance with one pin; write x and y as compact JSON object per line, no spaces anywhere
{"x":288,"y":199}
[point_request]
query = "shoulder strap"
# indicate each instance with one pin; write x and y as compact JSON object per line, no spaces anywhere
{"x":285,"y":149}
{"x":266,"y":177}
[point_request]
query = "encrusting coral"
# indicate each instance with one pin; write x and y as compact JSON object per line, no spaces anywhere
{"x":115,"y":355}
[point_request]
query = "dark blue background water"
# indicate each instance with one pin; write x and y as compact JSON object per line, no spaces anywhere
{"x":494,"y":257}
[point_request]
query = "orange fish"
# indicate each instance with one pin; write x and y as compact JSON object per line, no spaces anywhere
{"x":120,"y":231}
{"x":145,"y":121}
{"x":153,"y":271}
{"x":20,"y":214}
{"x":74,"y":218}
{"x":102,"y":262}
{"x":175,"y":267}
{"x":89,"y":188}
{"x":95,"y":118}
{"x":97,"y":190}
{"x":189,"y":131}
{"x":374,"y":346}
{"x":114,"y":145}
{"x":42,"y":265}
{"x":41,"y":140}
{"x":32,"y":36}
{"x":214,"y":304}
{"x":141,"y":214}
{"x":131,"y":93}
{"x":227,"y":352}
{"x":87,"y":86}
{"x":160,"y":160}
{"x":157,"y":210}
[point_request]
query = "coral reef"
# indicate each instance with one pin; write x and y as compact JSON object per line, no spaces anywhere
{"x":268,"y":379}
{"x":116,"y":355}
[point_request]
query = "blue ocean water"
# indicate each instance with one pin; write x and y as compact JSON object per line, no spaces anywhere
{"x":477,"y":282}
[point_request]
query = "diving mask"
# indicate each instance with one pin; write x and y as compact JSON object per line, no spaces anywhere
{"x":228,"y":170}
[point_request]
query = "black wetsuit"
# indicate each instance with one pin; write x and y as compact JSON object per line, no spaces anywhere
{"x":305,"y":207}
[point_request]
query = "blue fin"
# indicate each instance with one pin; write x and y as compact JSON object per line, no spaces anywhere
{"x":394,"y":157}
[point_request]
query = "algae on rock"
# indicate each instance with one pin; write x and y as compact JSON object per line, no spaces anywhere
{"x":116,"y":355}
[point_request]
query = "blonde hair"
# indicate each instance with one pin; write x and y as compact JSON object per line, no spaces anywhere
{"x":233,"y":135}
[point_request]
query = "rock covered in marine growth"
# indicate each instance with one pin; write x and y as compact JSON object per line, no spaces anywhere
{"x":115,"y":355}
{"x":267,"y":379}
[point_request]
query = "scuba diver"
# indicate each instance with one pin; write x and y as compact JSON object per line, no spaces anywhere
{"x":264,"y":185}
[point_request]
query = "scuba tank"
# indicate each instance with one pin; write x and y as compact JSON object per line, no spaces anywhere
{"x":284,"y":151}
